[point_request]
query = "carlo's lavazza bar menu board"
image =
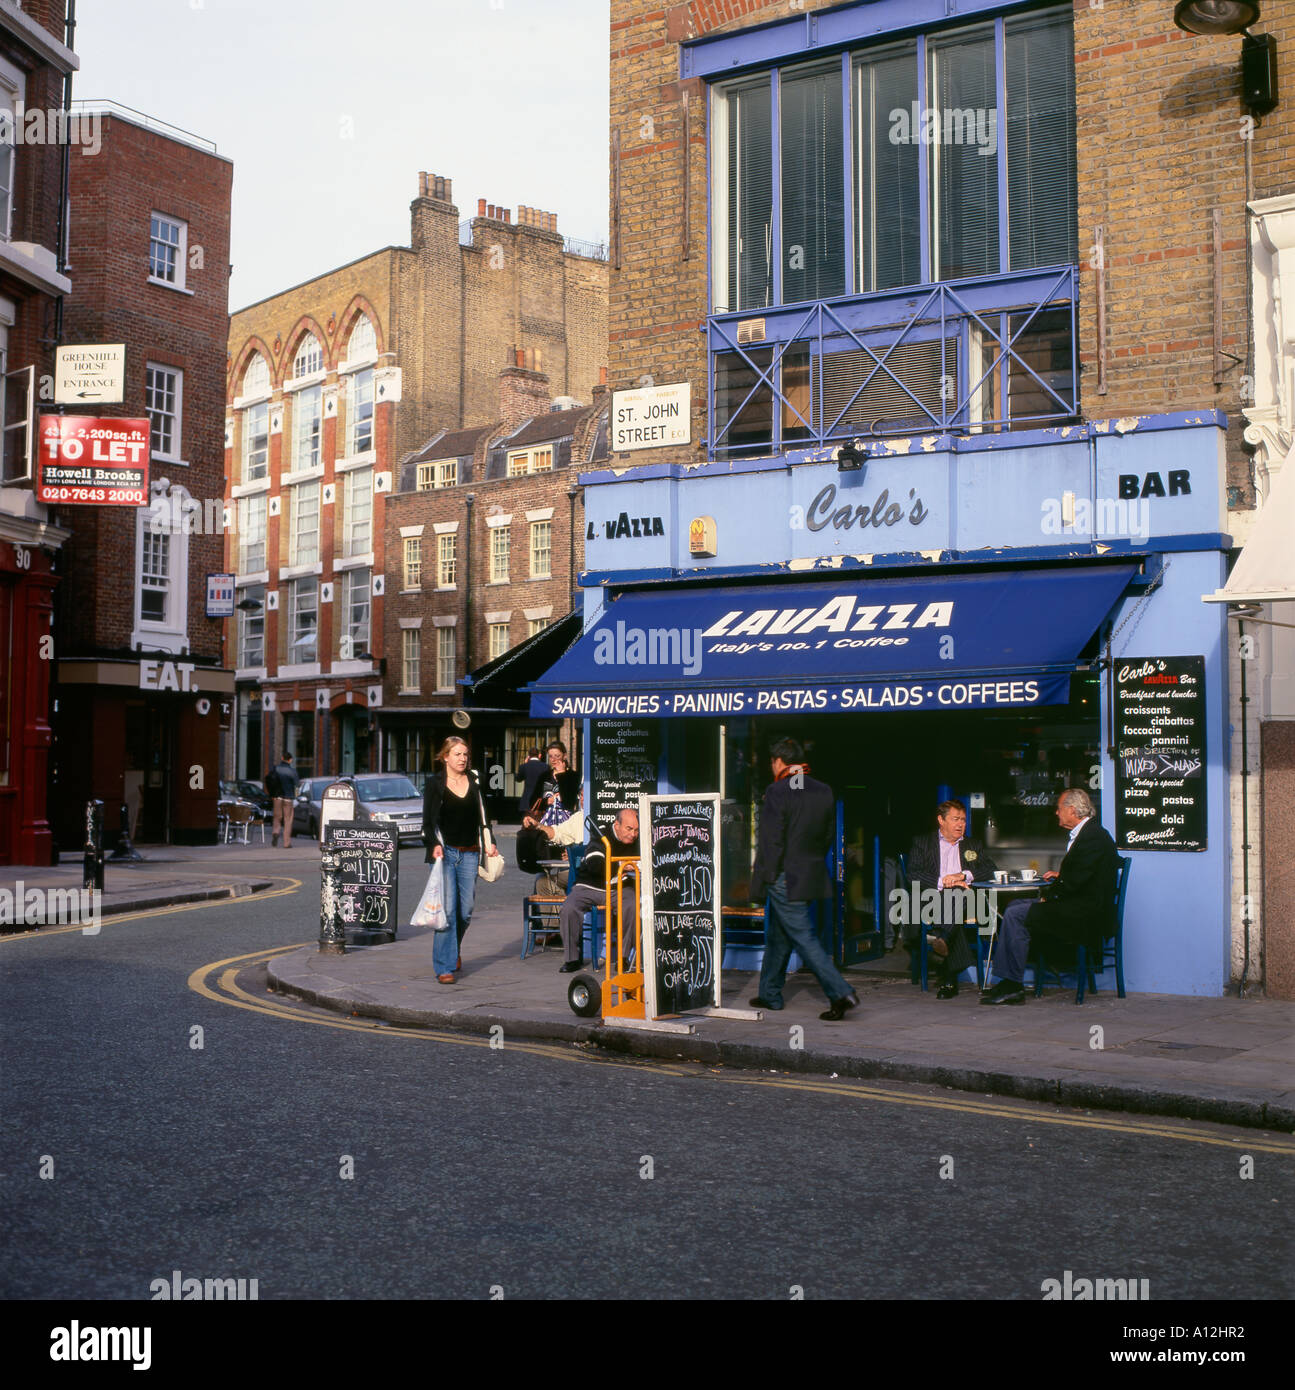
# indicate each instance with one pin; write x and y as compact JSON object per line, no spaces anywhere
{"x":1160,"y":753}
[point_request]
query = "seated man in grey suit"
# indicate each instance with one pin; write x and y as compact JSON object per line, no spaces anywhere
{"x":945,"y":858}
{"x":1076,"y":907}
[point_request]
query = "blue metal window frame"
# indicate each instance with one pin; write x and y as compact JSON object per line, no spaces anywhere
{"x":783,"y":43}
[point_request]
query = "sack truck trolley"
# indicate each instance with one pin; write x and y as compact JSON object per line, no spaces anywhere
{"x":622,"y":988}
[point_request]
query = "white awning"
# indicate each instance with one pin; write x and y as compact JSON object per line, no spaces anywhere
{"x":1265,"y":571}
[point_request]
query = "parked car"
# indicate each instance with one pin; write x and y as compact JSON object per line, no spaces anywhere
{"x":243,"y":790}
{"x":383,"y":798}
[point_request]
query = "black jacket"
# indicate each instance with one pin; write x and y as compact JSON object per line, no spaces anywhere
{"x":797,"y":827}
{"x":1078,"y":906}
{"x":924,"y":859}
{"x":533,"y":771}
{"x":593,"y":867}
{"x":433,"y":793}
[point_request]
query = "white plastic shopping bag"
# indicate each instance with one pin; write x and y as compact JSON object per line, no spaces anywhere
{"x":431,"y":906}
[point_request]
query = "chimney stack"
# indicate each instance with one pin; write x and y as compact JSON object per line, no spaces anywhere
{"x":522,"y":394}
{"x":481,"y":207}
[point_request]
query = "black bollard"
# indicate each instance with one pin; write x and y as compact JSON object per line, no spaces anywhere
{"x":92,"y":864}
{"x":125,"y":850}
{"x":332,"y":934}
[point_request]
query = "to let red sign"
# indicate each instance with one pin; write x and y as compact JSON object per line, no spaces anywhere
{"x":92,"y":462}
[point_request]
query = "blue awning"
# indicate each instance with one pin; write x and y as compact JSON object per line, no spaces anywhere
{"x":954,"y":641}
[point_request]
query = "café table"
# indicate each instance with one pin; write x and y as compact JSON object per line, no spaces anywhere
{"x":1013,"y":888}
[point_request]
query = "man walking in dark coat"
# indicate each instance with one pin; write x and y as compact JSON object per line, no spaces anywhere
{"x":1077,"y":907}
{"x":797,"y":824}
{"x":946,"y":859}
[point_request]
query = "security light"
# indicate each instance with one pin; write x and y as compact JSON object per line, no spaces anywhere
{"x":1215,"y":16}
{"x":849,"y":458}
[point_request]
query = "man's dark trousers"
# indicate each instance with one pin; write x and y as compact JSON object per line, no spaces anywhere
{"x":791,"y":928}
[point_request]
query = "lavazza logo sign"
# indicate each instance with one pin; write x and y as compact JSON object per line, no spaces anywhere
{"x":839,"y":614}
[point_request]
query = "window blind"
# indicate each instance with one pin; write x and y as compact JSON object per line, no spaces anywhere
{"x":813,"y":186}
{"x":1041,"y":142}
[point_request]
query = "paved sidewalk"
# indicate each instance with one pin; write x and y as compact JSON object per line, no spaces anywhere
{"x":1227,"y":1060}
{"x":167,"y":878}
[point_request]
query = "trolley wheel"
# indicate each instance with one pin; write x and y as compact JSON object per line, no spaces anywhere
{"x":585,"y":995}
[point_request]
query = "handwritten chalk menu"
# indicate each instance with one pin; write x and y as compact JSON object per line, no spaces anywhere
{"x":1160,"y":753}
{"x":679,"y":843}
{"x":366,"y":859}
{"x":624,"y":757}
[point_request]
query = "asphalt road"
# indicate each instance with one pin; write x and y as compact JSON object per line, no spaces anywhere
{"x":330,"y":1158}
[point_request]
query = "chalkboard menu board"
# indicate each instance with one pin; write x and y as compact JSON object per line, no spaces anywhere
{"x":624,"y":758}
{"x":365,"y":877}
{"x":1160,"y":753}
{"x":679,"y":839}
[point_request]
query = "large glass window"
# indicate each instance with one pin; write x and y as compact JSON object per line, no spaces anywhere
{"x":162,"y":391}
{"x":887,"y":172}
{"x":411,"y":658}
{"x":445,"y":658}
{"x":973,"y":123}
{"x":251,"y":626}
{"x":360,"y":413}
{"x":357,"y":513}
{"x":251,"y":534}
{"x":742,"y":209}
{"x":813,"y":185}
{"x":303,"y":548}
{"x":307,"y":423}
{"x":256,"y":442}
{"x":501,"y":541}
{"x":303,"y":620}
{"x":155,"y":575}
{"x":447,"y":558}
{"x":355,"y":613}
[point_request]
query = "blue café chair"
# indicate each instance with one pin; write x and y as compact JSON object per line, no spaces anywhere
{"x":922,"y":953}
{"x":540,"y":914}
{"x":1112,"y":946}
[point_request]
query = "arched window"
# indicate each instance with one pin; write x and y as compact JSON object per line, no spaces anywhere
{"x":363,"y":344}
{"x":256,"y":378}
{"x":309,"y":358}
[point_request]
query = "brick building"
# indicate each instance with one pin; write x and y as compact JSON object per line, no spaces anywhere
{"x":142,"y":686}
{"x":983,"y":276}
{"x":36,"y":61}
{"x":331,"y":384}
{"x":484,"y":539}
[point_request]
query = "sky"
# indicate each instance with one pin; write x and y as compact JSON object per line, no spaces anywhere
{"x":330,"y":108}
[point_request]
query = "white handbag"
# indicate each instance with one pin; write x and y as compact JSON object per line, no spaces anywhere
{"x":489,"y":866}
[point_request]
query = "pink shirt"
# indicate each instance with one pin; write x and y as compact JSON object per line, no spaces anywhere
{"x":949,"y":860}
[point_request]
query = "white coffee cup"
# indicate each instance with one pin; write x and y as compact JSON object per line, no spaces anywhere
{"x":1000,"y":875}
{"x":1028,"y":875}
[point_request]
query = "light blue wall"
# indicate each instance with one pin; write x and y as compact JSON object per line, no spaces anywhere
{"x":1177,"y":919}
{"x":975,"y":495}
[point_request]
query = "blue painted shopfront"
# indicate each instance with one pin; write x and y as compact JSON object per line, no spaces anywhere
{"x":1110,"y":528}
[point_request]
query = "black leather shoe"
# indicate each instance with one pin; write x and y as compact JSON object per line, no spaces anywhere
{"x":571,"y":966}
{"x":1005,"y":992}
{"x":758,"y":1003}
{"x":948,"y":990}
{"x":837,"y":1012}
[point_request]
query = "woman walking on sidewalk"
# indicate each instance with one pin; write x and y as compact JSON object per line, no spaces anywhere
{"x":454,"y":828}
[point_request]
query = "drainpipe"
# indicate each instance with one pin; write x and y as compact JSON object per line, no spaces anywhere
{"x":572,"y":493}
{"x":467,"y":589}
{"x":65,"y":174}
{"x":1245,"y":818}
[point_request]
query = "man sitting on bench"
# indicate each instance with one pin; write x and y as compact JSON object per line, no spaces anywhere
{"x":589,"y":889}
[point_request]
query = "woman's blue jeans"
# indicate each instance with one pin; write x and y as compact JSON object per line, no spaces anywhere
{"x":460,"y":868}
